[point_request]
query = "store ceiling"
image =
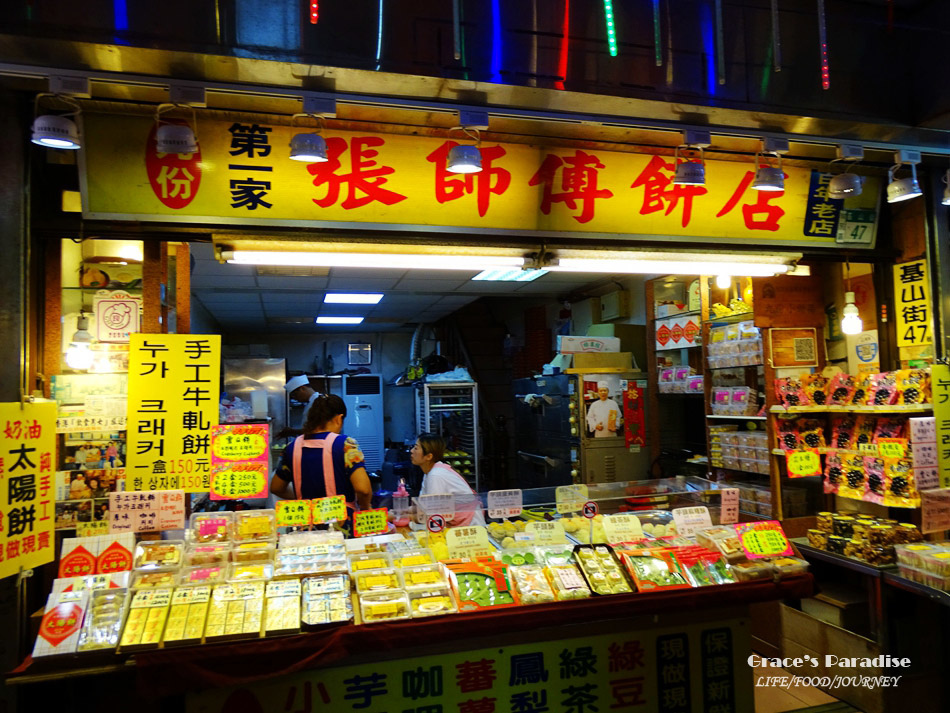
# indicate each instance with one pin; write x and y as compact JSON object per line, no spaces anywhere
{"x":241,"y":299}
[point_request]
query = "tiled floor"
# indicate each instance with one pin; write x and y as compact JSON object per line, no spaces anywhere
{"x":772,"y":699}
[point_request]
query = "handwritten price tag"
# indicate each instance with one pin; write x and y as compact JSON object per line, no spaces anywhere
{"x":763,"y":539}
{"x":870,"y":449}
{"x":623,"y":527}
{"x":328,"y":509}
{"x":504,"y":503}
{"x":370,"y":522}
{"x":689,"y":521}
{"x":293,"y":513}
{"x":89,"y":529}
{"x":892,"y":447}
{"x":239,"y":442}
{"x":801,"y":464}
{"x":729,"y":506}
{"x":239,"y":480}
{"x":469,"y":541}
{"x":547,"y":533}
{"x":935,"y":510}
{"x":571,"y":498}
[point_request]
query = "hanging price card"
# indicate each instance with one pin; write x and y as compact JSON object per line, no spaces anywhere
{"x":442,"y":504}
{"x":763,"y":539}
{"x":690,"y":520}
{"x":547,"y":533}
{"x":293,"y":513}
{"x":869,"y":449}
{"x":728,"y":506}
{"x":328,"y":509}
{"x":504,"y":503}
{"x":571,"y":498}
{"x":90,"y":529}
{"x":803,"y":463}
{"x":239,"y":442}
{"x":468,"y":541}
{"x":935,"y":511}
{"x":235,"y":481}
{"x":892,"y":447}
{"x":622,"y":527}
{"x":370,"y":522}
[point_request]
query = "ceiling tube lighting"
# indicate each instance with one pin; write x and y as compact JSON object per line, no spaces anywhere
{"x":472,"y":263}
{"x":466,"y":158}
{"x":667,"y":267}
{"x":353,"y":298}
{"x":59,"y":131}
{"x":509,"y":275}
{"x":311,"y":147}
{"x":845,"y":185}
{"x":339,"y":320}
{"x":902,"y":189}
{"x":175,"y":137}
{"x":688,"y":171}
{"x":769,"y":177}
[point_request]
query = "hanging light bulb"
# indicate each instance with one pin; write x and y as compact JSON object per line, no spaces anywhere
{"x":851,"y":320}
{"x":902,"y":189}
{"x":79,"y":354}
{"x":723,"y":282}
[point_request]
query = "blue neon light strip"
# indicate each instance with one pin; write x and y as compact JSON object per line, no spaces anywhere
{"x":379,"y":36}
{"x":496,"y":41}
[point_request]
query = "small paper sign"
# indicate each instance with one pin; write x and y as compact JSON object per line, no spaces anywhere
{"x":689,"y":521}
{"x":90,"y":529}
{"x":239,"y":464}
{"x":729,"y":506}
{"x":935,"y":510}
{"x":328,"y":509}
{"x":892,"y":447}
{"x":802,"y":464}
{"x":504,"y":503}
{"x":239,"y":442}
{"x":571,"y":498}
{"x":442,"y":504}
{"x":622,"y":527}
{"x":468,"y":541}
{"x":293,"y":513}
{"x":546,"y":532}
{"x":237,"y":481}
{"x":763,"y":539}
{"x":868,"y":449}
{"x":927,"y":478}
{"x":370,"y":522}
{"x":147,"y":511}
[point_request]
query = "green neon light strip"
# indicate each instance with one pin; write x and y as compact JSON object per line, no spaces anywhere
{"x":611,"y":29}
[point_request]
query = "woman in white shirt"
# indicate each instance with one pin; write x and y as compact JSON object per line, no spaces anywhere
{"x":441,"y":479}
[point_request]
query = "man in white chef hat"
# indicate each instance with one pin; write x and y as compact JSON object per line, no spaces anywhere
{"x":604,"y":415}
{"x":300,"y":390}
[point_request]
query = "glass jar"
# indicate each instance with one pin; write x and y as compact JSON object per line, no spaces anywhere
{"x":843,"y":526}
{"x":818,"y":539}
{"x":825,"y":522}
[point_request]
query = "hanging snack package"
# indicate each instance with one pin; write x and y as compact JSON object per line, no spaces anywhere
{"x":901,"y":486}
{"x":787,"y":434}
{"x":863,"y":432}
{"x":914,"y":386}
{"x":890,"y":427}
{"x":862,"y":384}
{"x":789,"y":392}
{"x":851,"y":484}
{"x":811,"y":433}
{"x":842,"y":430}
{"x":833,"y":473}
{"x":883,"y":389}
{"x":841,"y":389}
{"x":874,"y":479}
{"x":816,"y":388}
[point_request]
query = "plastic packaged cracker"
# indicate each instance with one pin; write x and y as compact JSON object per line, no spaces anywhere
{"x":103,"y":621}
{"x":156,"y":554}
{"x":841,"y":389}
{"x":883,"y":389}
{"x":533,"y":587}
{"x":252,"y":525}
{"x":211,"y":527}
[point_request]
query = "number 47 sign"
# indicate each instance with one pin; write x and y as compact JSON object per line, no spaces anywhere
{"x":912,"y":304}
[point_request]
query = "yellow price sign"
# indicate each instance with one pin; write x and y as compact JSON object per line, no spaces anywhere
{"x":238,"y":446}
{"x":293,"y":513}
{"x":547,"y":532}
{"x":235,"y":481}
{"x":370,"y":522}
{"x":763,"y":539}
{"x":892,"y":447}
{"x":329,"y":509}
{"x":870,"y":449}
{"x":571,"y":498}
{"x":803,"y":463}
{"x":90,"y":529}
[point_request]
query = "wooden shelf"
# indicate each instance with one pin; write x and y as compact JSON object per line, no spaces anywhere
{"x":731,"y":319}
{"x":738,"y":418}
{"x":896,"y":408}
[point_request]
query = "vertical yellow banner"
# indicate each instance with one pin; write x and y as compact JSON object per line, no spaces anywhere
{"x":940,"y":379}
{"x":173,"y":404}
{"x":912,"y":306}
{"x":27,"y":453}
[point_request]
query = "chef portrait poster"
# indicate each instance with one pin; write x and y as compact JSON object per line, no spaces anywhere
{"x":603,"y":399}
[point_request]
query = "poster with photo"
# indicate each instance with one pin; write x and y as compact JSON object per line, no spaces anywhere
{"x":603,"y":399}
{"x":91,"y":451}
{"x":82,"y":496}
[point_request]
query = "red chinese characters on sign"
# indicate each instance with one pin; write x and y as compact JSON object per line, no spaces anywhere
{"x":659,"y":192}
{"x":365,"y":180}
{"x":452,"y":186}
{"x":760,"y":215}
{"x":174,"y":177}
{"x":578,"y":183}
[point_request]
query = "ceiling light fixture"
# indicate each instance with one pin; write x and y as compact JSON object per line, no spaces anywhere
{"x":510,"y":275}
{"x":311,"y":147}
{"x":845,"y":185}
{"x":902,"y":189}
{"x":59,"y":131}
{"x":353,"y":298}
{"x":644,"y":263}
{"x":175,"y":137}
{"x":769,"y":177}
{"x":466,"y":158}
{"x":850,"y":317}
{"x":688,"y":171}
{"x":472,"y":263}
{"x":79,"y":355}
{"x":339,"y":320}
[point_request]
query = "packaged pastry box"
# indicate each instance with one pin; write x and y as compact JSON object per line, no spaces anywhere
{"x":654,"y":570}
{"x":481,"y":585}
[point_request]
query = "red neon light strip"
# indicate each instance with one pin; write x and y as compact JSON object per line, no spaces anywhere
{"x":562,"y":56}
{"x":314,"y":11}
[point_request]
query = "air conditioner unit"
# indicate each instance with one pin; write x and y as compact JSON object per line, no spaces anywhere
{"x":615,"y":305}
{"x":363,"y":396}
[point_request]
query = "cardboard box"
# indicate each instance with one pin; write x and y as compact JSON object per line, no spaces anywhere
{"x":604,"y":360}
{"x":575,"y":344}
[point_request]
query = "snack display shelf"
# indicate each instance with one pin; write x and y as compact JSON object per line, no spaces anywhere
{"x":737,"y":418}
{"x":826,"y":450}
{"x":894,"y":579}
{"x":895,"y":408}
{"x":735,"y":366}
{"x":730,"y":318}
{"x":809,"y":552}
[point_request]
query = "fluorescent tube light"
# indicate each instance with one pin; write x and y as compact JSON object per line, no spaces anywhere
{"x":353,"y":298}
{"x":339,"y":320}
{"x":472,"y":263}
{"x":506,"y":275}
{"x":667,"y":267}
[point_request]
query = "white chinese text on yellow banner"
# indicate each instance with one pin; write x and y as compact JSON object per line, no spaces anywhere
{"x":173,"y":403}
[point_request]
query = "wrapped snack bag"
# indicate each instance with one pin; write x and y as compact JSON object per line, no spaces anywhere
{"x":842,"y":430}
{"x":833,"y":473}
{"x":789,"y":392}
{"x":816,"y":388}
{"x":874,"y":481}
{"x":811,"y":433}
{"x":862,"y":384}
{"x":863,"y":432}
{"x":890,"y":427}
{"x":883,"y":389}
{"x":841,"y":389}
{"x":787,"y":434}
{"x":901,"y":488}
{"x":914,"y":386}
{"x":852,"y":483}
